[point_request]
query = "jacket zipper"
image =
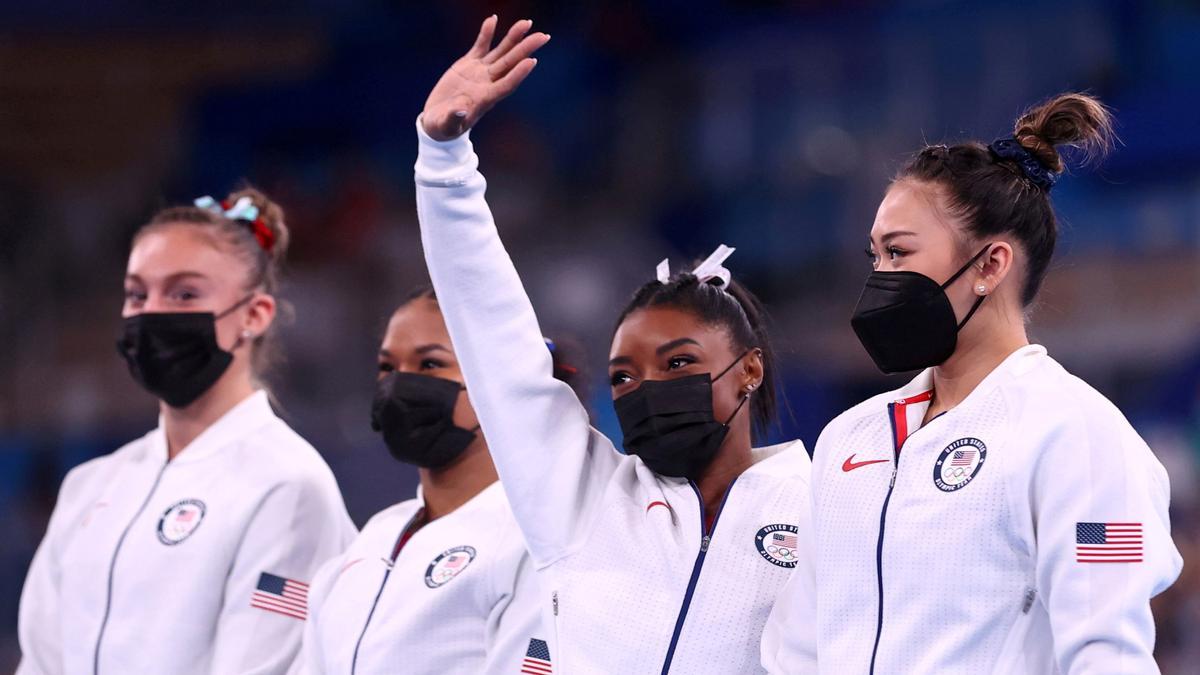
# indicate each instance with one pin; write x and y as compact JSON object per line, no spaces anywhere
{"x":879,"y":542}
{"x":897,"y":444}
{"x":705,"y":540}
{"x":391,"y":562}
{"x":112,"y":566}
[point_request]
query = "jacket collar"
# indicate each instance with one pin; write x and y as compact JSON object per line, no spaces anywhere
{"x":251,"y":414}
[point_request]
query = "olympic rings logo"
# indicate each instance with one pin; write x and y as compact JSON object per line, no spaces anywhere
{"x":781,"y":552}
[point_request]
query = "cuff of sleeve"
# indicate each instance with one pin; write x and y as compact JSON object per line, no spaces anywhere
{"x":444,"y":163}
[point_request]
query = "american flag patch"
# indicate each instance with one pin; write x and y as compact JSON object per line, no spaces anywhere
{"x":962,"y":458}
{"x":282,"y":596}
{"x":537,"y":658}
{"x":1108,"y":542}
{"x":786,"y":540}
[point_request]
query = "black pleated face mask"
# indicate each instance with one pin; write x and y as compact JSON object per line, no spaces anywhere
{"x":415,"y":414}
{"x":670,"y":424}
{"x":905,"y":320}
{"x":175,"y":355}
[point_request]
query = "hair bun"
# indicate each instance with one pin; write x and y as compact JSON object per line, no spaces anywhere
{"x":1074,"y":119}
{"x":271,"y":215}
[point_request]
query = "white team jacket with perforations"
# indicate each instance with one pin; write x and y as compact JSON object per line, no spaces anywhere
{"x":456,"y":596}
{"x":192,"y":566}
{"x":1023,"y":531}
{"x":631,"y":583}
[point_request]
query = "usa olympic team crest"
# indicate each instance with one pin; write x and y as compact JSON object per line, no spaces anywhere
{"x":180,"y":520}
{"x":777,"y":544}
{"x":449,"y":564}
{"x":958,"y":464}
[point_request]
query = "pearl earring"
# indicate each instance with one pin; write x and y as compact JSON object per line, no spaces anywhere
{"x":981,"y":289}
{"x":245,"y":334}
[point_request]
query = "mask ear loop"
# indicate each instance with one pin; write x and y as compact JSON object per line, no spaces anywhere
{"x":477,"y":428}
{"x":959,"y":273}
{"x":744,"y":398}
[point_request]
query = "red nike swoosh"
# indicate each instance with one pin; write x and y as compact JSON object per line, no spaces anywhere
{"x":850,"y":465}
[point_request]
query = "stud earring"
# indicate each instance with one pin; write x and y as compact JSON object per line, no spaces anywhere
{"x":981,"y":289}
{"x":245,"y":334}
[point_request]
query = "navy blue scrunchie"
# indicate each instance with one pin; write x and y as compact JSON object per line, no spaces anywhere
{"x":1010,"y":149}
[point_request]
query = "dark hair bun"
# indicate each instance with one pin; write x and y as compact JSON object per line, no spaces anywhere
{"x":1078,"y":120}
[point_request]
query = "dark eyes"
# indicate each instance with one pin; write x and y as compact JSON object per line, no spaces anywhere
{"x":892,"y":252}
{"x":674,"y":363}
{"x":427,"y":364}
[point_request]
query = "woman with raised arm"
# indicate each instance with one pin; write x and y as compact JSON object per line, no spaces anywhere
{"x":669,"y":558}
{"x":441,"y":582}
{"x":189,"y":550}
{"x":996,"y":514}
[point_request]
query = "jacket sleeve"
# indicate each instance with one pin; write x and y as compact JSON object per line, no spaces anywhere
{"x":298,"y":526}
{"x":311,"y":660}
{"x":39,"y":628}
{"x":1095,"y":478}
{"x":514,"y":627}
{"x":553,"y":465}
{"x":789,"y":640}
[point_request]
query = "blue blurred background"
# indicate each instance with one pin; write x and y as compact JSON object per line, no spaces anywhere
{"x":648,"y":130}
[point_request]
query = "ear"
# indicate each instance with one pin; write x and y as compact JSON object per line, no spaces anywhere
{"x":260,"y":313}
{"x":993,"y":268}
{"x":752,"y":371}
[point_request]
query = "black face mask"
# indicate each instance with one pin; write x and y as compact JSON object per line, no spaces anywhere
{"x":175,"y":355}
{"x":670,"y":423}
{"x":416,"y":415}
{"x":905,"y":320}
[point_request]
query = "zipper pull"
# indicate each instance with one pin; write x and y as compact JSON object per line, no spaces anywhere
{"x":389,"y":563}
{"x":554,"y":602}
{"x":895,"y":468}
{"x":704,"y":543}
{"x":1030,"y":594}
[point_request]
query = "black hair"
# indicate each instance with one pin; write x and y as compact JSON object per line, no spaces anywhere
{"x":992,"y":195}
{"x":732,"y":308}
{"x":566,"y":354}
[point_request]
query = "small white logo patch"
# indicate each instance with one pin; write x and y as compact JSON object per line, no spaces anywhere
{"x":449,"y":564}
{"x":180,"y":520}
{"x":959,"y":463}
{"x":778,"y":544}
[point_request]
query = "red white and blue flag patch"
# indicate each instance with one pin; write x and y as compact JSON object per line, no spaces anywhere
{"x":1108,"y":542}
{"x":282,"y":596}
{"x":537,"y":658}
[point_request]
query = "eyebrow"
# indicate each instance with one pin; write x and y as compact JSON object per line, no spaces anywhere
{"x":425,"y":349}
{"x":178,"y":276}
{"x":894,"y":235}
{"x":660,"y":350}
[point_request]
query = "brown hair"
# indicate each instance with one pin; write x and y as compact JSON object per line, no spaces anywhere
{"x":994,"y":195}
{"x":261,"y":245}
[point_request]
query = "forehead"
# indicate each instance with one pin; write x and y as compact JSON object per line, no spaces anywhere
{"x":417,"y":323}
{"x":649,"y":327}
{"x":167,"y":250}
{"x":912,"y":207}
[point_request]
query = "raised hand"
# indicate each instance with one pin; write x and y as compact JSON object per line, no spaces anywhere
{"x":481,"y":78}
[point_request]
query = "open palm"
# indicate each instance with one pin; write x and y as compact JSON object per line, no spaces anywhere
{"x":481,"y":78}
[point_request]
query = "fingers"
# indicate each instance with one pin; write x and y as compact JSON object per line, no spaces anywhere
{"x":518,"y":55}
{"x":511,"y":38}
{"x":487,"y":30}
{"x":513,"y":79}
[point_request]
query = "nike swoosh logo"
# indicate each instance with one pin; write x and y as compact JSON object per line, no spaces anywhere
{"x":850,"y":464}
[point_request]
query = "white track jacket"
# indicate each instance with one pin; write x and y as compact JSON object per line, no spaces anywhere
{"x":632,"y":582}
{"x":194,"y":566}
{"x":1023,"y":531}
{"x":455,"y":596}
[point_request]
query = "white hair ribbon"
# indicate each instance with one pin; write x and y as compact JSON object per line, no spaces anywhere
{"x":706,"y":271}
{"x":712,"y":268}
